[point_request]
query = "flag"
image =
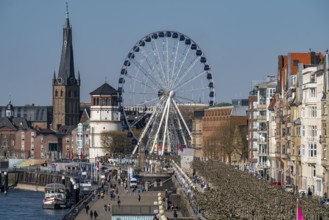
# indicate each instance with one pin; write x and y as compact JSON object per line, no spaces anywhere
{"x":159,"y":150}
{"x":180,"y":148}
{"x":300,"y":215}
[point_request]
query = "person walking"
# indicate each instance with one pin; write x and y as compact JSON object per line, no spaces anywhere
{"x":91,"y":214}
{"x":87,"y":208}
{"x":119,"y":202}
{"x":95,"y":215}
{"x":139,"y":197}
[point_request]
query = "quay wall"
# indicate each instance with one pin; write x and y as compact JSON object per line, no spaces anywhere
{"x":30,"y":187}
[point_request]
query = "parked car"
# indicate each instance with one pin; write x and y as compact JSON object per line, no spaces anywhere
{"x":289,"y":188}
{"x":277,"y":184}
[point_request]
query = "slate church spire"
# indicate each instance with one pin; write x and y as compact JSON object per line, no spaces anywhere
{"x":66,"y":68}
{"x":66,"y":87}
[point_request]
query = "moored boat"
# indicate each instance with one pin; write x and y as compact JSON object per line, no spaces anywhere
{"x":55,"y":197}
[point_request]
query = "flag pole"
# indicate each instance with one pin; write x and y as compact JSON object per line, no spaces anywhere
{"x":297,"y":208}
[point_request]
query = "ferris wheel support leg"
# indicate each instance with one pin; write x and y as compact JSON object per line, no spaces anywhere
{"x":144,"y":132}
{"x":161,"y":121}
{"x":181,"y":117}
{"x":166,"y":123}
{"x":182,"y":133}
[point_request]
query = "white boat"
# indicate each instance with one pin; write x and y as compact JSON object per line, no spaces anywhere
{"x":55,"y":197}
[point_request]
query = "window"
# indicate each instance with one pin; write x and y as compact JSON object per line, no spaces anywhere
{"x":313,"y":111}
{"x":312,"y":78}
{"x":314,"y":171}
{"x":303,"y":130}
{"x":324,"y":154}
{"x":313,"y":93}
{"x":303,"y":150}
{"x":293,"y":80}
{"x":312,"y":150}
{"x":303,"y":112}
{"x":297,"y":131}
{"x":313,"y":130}
{"x":296,"y":62}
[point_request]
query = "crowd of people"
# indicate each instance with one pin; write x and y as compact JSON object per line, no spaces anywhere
{"x":234,"y":194}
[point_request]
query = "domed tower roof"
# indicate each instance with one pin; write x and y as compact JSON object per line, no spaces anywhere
{"x":10,"y":110}
{"x":10,"y":106}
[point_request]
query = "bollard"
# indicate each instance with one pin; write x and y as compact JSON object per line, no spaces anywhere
{"x":63,"y":180}
{"x":5,"y":184}
{"x":155,"y":183}
{"x":76,"y":192}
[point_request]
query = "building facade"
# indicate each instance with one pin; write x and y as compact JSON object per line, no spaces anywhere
{"x":258,"y":125}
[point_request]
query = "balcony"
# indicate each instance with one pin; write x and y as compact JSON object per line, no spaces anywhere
{"x":261,"y":106}
{"x":311,"y":161}
{"x":262,"y":130}
{"x":262,"y":141}
{"x":263,"y":153}
{"x":325,"y":163}
{"x":261,"y":118}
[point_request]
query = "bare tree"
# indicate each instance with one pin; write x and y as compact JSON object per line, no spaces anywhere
{"x":228,"y":141}
{"x":117,"y":142}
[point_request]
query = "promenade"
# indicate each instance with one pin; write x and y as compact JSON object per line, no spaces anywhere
{"x":129,"y":202}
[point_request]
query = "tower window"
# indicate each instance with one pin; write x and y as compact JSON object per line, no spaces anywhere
{"x":56,"y":93}
{"x":61,"y":93}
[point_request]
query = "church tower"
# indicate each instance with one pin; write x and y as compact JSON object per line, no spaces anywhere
{"x":66,"y":87}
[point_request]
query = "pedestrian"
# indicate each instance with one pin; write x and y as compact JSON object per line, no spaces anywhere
{"x":175,"y":215}
{"x":105,"y":207}
{"x":119,"y":202}
{"x":91,"y":214}
{"x":109,"y":207}
{"x":95,"y":214}
{"x":139,"y":197}
{"x":87,"y":208}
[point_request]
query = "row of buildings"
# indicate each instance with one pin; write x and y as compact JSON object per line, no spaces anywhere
{"x":287,"y":123}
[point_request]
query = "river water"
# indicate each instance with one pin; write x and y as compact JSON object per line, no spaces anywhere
{"x":26,"y":205}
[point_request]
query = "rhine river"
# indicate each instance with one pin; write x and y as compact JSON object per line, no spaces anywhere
{"x":26,"y":205}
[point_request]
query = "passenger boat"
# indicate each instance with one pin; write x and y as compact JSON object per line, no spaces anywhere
{"x":55,"y":197}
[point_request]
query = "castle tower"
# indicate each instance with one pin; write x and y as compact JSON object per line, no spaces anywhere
{"x":104,"y":117}
{"x":66,"y":88}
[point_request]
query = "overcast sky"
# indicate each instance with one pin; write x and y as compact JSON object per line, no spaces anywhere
{"x":241,"y":39}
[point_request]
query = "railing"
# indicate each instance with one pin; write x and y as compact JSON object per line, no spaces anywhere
{"x":74,"y":211}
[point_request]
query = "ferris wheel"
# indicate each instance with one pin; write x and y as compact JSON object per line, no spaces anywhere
{"x":163,"y":72}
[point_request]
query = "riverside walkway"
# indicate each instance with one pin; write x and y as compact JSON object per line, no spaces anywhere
{"x":129,"y":205}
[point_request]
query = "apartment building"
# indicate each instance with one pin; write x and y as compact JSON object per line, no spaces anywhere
{"x":296,"y":122}
{"x":258,"y":125}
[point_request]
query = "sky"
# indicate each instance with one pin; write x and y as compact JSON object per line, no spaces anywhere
{"x":241,"y":39}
